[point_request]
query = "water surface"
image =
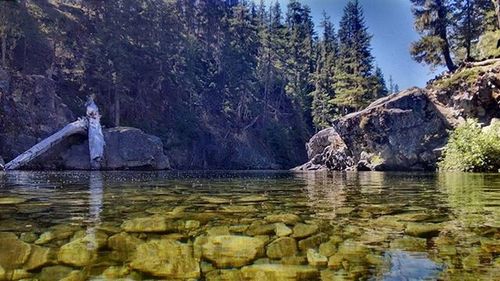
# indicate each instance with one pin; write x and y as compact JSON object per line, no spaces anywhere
{"x":249,"y":226}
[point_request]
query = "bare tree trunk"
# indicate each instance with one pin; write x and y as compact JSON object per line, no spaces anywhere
{"x":78,"y":126}
{"x":96,"y":137}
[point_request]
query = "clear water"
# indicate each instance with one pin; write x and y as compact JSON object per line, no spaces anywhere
{"x":366,"y":226}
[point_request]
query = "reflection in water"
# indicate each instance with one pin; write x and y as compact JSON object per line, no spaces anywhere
{"x":367,"y":226}
{"x":410,"y":266}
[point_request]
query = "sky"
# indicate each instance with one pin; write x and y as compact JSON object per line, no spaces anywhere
{"x":391,"y":24}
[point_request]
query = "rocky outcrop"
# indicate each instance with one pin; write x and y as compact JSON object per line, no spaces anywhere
{"x":126,"y":148}
{"x":406,"y":131}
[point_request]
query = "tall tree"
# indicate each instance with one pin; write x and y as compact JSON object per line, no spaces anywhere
{"x":432,"y":22}
{"x":379,"y":85}
{"x":354,"y":88}
{"x":323,"y":109}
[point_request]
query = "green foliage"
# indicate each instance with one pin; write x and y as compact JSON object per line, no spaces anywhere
{"x":472,"y":149}
{"x":466,"y":76}
{"x":488,"y":45}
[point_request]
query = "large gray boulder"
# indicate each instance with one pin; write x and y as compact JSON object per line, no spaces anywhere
{"x":399,"y":132}
{"x":126,"y":148}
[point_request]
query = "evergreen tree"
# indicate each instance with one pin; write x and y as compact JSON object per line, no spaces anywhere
{"x":432,"y":22}
{"x":354,"y":87}
{"x":396,"y":88}
{"x":391,"y":85}
{"x":469,"y":18}
{"x":380,"y":87}
{"x":323,"y":109}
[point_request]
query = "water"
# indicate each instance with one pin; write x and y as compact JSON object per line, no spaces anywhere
{"x":219,"y":226}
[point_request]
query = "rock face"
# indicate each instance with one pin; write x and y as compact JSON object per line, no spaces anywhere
{"x":126,"y":148}
{"x":406,"y":131}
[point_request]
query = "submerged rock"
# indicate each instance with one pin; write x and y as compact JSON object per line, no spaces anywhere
{"x":279,"y":272}
{"x":82,"y":251}
{"x":423,"y":229}
{"x":123,"y":246}
{"x":290,"y":219}
{"x":232,"y":251}
{"x":40,"y":256}
{"x":302,"y":230}
{"x":148,"y":224}
{"x":316,"y":259}
{"x":282,"y":247}
{"x":224,"y":275}
{"x":13,"y":252}
{"x":166,"y":258}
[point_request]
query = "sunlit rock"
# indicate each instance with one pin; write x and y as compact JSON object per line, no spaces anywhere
{"x":313,"y":241}
{"x":28,"y":237}
{"x":58,"y":232}
{"x":423,"y":229}
{"x":389,"y":222}
{"x":224,"y":275}
{"x":166,"y":258}
{"x":353,"y":251}
{"x":316,"y":259}
{"x":218,"y":230}
{"x":374,"y":260}
{"x":259,"y":228}
{"x":252,"y":198}
{"x":215,"y":200}
{"x":282,"y":230}
{"x":13,"y":252}
{"x":302,"y":230}
{"x":294,"y":260}
{"x":282,"y":247}
{"x":279,"y":272}
{"x":115,"y":272}
{"x":149,"y":224}
{"x":40,"y":256}
{"x":335,"y":261}
{"x":289,"y":219}
{"x":82,"y":251}
{"x":408,"y":243}
{"x":57,"y":272}
{"x":232,"y":251}
{"x":328,"y":248}
{"x":123,"y":246}
{"x":75,"y":275}
{"x":240,"y":228}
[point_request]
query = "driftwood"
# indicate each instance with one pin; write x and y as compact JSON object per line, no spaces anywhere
{"x":78,"y":126}
{"x":96,"y":139}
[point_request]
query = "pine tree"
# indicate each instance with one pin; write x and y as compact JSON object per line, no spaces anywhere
{"x":432,"y":22}
{"x":379,"y":85}
{"x":396,"y":88}
{"x":323,"y":109}
{"x":354,"y":88}
{"x":391,"y":85}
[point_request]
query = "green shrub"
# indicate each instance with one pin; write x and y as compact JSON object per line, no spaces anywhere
{"x":472,"y":149}
{"x":488,"y":45}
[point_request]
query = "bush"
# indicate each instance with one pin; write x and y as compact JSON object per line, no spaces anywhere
{"x":472,"y":149}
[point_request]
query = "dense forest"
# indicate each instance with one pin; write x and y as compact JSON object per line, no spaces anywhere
{"x":251,"y":80}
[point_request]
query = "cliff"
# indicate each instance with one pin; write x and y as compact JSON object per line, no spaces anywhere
{"x":406,"y":131}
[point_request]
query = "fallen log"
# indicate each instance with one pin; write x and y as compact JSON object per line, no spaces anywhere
{"x":78,"y":126}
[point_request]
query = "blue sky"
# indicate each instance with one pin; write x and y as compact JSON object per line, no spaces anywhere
{"x":391,"y":24}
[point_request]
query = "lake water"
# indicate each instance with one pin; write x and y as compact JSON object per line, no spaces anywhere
{"x":249,"y":226}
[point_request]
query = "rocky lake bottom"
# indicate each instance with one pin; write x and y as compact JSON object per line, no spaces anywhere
{"x":249,"y":226}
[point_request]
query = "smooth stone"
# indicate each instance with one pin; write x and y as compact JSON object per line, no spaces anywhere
{"x":58,"y":232}
{"x":290,"y":219}
{"x":302,"y":230}
{"x":282,"y":230}
{"x":335,"y":261}
{"x":215,"y":200}
{"x":231,"y":250}
{"x":166,"y":258}
{"x":328,"y":248}
{"x":264,"y":238}
{"x":82,"y":251}
{"x":56,"y":272}
{"x":239,"y":228}
{"x":413,"y":217}
{"x":40,"y":256}
{"x":258,"y":228}
{"x":224,"y":275}
{"x":344,"y":210}
{"x":408,"y":243}
{"x":313,"y":241}
{"x":279,"y":272}
{"x":18,"y":274}
{"x":115,"y":272}
{"x":374,"y":259}
{"x":425,"y":230}
{"x":148,"y":224}
{"x":13,"y":252}
{"x":238,"y":209}
{"x":28,"y":237}
{"x":123,"y":246}
{"x":389,"y":222}
{"x":75,"y":275}
{"x":282,"y":247}
{"x":316,"y":259}
{"x":353,"y":251}
{"x":294,"y":260}
{"x":218,"y":230}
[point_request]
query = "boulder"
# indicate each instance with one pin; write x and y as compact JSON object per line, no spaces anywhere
{"x":13,"y":252}
{"x":398,"y":132}
{"x":282,"y":247}
{"x":231,"y":250}
{"x":126,"y":148}
{"x":166,"y":258}
{"x":278,"y":272}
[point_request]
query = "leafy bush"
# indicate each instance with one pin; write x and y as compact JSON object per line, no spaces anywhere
{"x":472,"y":149}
